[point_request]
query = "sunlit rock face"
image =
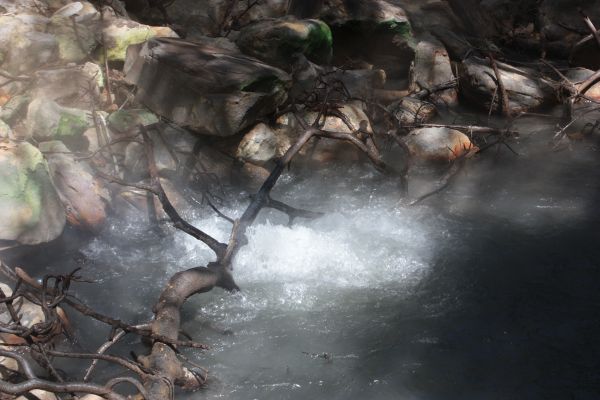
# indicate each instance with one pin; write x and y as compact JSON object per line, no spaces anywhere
{"x":525,"y":89}
{"x":30,"y":209}
{"x":204,"y":86}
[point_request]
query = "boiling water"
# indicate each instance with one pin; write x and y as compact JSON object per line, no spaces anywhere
{"x":487,"y":291}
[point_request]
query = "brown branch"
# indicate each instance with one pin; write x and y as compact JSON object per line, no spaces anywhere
{"x":505,"y":106}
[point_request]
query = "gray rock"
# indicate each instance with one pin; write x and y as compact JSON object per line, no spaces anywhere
{"x":47,"y":120}
{"x":84,"y":196}
{"x":77,"y":85}
{"x":125,"y":121}
{"x":30,"y":209}
{"x":526,"y":91}
{"x":24,"y":43}
{"x":411,"y":111}
{"x":207,"y":88}
{"x":259,"y":145}
{"x":431,"y":67}
{"x":15,"y":109}
{"x":76,"y":26}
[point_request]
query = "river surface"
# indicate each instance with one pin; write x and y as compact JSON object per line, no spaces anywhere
{"x":489,"y":290}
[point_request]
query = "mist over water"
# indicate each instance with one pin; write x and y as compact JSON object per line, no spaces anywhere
{"x":486,"y":291}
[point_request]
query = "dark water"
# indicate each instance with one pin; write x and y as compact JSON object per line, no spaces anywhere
{"x":488,"y":291}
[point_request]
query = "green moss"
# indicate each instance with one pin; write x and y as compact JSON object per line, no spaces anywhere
{"x":401,"y":28}
{"x":117,"y":49}
{"x":71,"y":125}
{"x":320,"y":42}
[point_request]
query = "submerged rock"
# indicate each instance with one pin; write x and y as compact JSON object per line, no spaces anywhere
{"x":438,"y":144}
{"x":30,"y":209}
{"x":276,"y":40}
{"x":47,"y":120}
{"x":526,"y":91}
{"x":203,"y":86}
{"x":85,"y":198}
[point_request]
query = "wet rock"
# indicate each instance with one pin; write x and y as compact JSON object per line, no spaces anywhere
{"x":24,"y":43}
{"x":77,"y":85}
{"x":276,"y":40}
{"x":259,"y":145}
{"x":84,"y":196}
{"x":30,"y":209}
{"x":9,"y":363}
{"x":526,"y":90}
{"x":120,"y":33}
{"x":411,"y":111}
{"x":438,"y":144}
{"x":204,"y":87}
{"x":126,"y":121}
{"x":431,"y":67}
{"x":76,"y":27}
{"x":47,"y":120}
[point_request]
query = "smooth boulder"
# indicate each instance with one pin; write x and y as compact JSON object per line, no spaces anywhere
{"x":431,"y":68}
{"x":47,"y":120}
{"x":438,"y":144}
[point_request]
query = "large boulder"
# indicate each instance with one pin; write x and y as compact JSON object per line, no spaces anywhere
{"x":47,"y":120}
{"x":204,"y":86}
{"x":438,"y":144}
{"x":25,"y":44}
{"x":525,"y":89}
{"x":276,"y":40}
{"x":431,"y":67}
{"x":30,"y":209}
{"x":83,"y":195}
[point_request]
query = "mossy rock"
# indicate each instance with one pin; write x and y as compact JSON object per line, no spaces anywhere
{"x":47,"y":120}
{"x":123,"y":121}
{"x":30,"y":210}
{"x":276,"y":40}
{"x":120,"y":33}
